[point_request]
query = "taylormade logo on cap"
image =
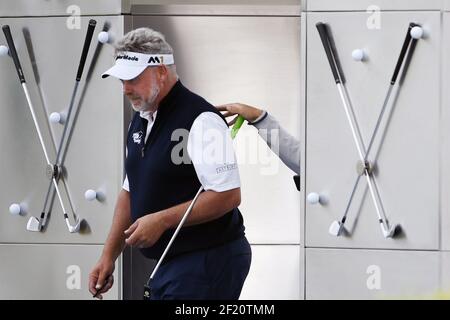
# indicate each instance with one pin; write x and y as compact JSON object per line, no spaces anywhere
{"x":127,"y":57}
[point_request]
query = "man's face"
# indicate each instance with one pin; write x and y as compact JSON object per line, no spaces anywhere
{"x":143,"y":90}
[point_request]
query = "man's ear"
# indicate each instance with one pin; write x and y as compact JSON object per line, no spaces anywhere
{"x":163,"y":72}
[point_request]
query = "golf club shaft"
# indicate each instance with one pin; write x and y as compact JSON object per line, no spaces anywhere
{"x":44,"y":210}
{"x":400,"y":60}
{"x":355,"y":134}
{"x":186,"y":214}
{"x":66,"y":125}
{"x":58,"y":162}
{"x":66,"y":218}
{"x":377,"y":126}
{"x":81,"y":65}
{"x":359,"y":146}
{"x":376,"y":198}
{"x":349,"y":202}
{"x":36,"y":124}
{"x":84,"y":53}
{"x":355,"y":185}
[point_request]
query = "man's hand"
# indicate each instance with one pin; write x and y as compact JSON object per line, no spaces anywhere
{"x":248,"y":112}
{"x":146,"y":230}
{"x":101,"y":278}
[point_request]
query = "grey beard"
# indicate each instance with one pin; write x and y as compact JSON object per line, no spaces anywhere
{"x":149,"y":103}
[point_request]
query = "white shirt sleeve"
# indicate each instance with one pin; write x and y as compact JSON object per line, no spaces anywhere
{"x":210,"y":148}
{"x":125,"y":184}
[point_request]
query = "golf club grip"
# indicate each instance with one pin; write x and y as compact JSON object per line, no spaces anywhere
{"x":12,"y":50}
{"x":324,"y":36}
{"x":402,"y":53}
{"x":87,"y":41}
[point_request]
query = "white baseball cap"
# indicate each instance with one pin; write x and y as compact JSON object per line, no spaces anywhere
{"x":131,"y":64}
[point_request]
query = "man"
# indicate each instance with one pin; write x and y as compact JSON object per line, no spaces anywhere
{"x":210,"y":258}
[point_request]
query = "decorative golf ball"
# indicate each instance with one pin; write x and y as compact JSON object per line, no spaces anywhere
{"x":313,"y":198}
{"x":416,"y":32}
{"x":103,"y":37}
{"x":55,"y":117}
{"x":3,"y":51}
{"x":90,"y":195}
{"x":358,"y":55}
{"x":14,"y":209}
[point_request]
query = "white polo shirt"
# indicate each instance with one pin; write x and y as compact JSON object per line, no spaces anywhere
{"x":210,"y":148}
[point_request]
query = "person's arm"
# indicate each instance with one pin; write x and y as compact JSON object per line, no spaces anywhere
{"x":278,"y":138}
{"x":210,"y":205}
{"x":270,"y":130}
{"x":101,"y":275}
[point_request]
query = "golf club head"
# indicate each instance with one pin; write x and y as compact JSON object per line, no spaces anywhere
{"x":34,"y":224}
{"x":75,"y":228}
{"x":390,"y":233}
{"x":336,"y":228}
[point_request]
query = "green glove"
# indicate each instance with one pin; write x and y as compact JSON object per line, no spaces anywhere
{"x":237,"y":125}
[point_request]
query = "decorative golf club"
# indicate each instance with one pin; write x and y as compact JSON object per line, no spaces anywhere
{"x":35,"y":224}
{"x":414,"y":31}
{"x":147,"y":289}
{"x":12,"y":50}
{"x":337,"y":227}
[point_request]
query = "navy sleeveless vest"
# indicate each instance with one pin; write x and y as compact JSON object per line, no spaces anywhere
{"x":157,"y":183}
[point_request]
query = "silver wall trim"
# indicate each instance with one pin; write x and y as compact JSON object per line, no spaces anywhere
{"x":49,"y":8}
{"x":384,"y":5}
{"x":217,"y":10}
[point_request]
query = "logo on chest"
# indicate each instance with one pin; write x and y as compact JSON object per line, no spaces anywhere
{"x":137,"y":137}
